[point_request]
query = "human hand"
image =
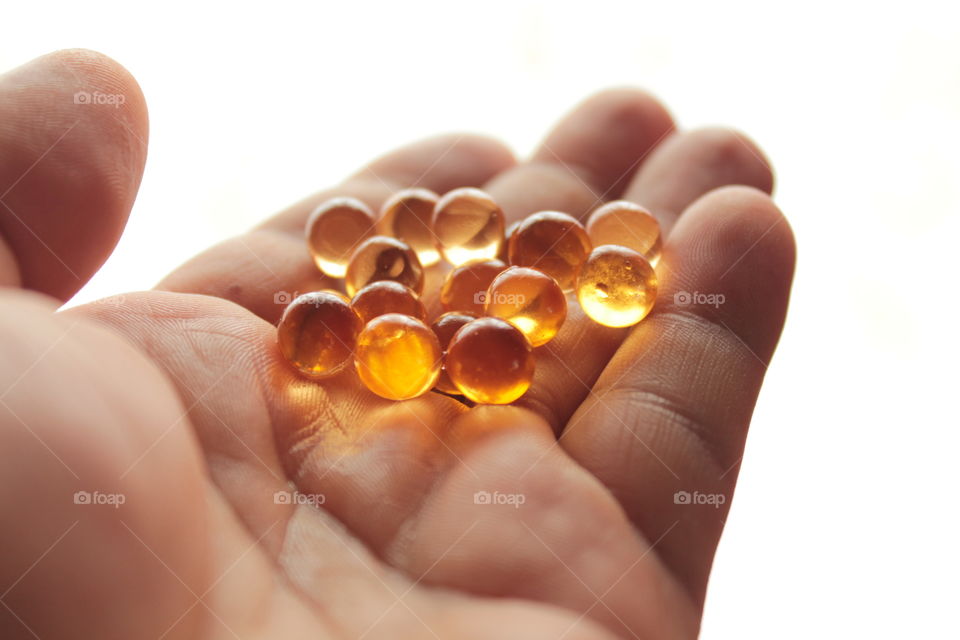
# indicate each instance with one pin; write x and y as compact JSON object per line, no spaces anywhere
{"x":177,"y":401}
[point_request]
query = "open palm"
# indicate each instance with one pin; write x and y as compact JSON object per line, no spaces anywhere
{"x":256,"y":504}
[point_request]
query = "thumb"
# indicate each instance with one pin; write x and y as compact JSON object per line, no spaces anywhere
{"x":73,"y":130}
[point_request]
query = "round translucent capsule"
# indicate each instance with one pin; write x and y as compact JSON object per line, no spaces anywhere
{"x":617,"y":286}
{"x":530,"y":300}
{"x":398,"y":357}
{"x":465,"y":287}
{"x":468,"y":225}
{"x":628,"y":225}
{"x":383,"y":258}
{"x":445,"y":326}
{"x":334,"y":230}
{"x":408,"y":216}
{"x":387,"y":296}
{"x":552,"y":242}
{"x":490,"y":361}
{"x":318,"y":333}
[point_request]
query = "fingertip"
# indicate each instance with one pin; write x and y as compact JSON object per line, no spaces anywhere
{"x":103,"y":98}
{"x":692,"y":163}
{"x":628,"y":104}
{"x":73,"y":135}
{"x":728,"y":147}
{"x":443,"y":162}
{"x":609,"y":134}
{"x":751,"y":221}
{"x":735,"y":245}
{"x":101,"y":72}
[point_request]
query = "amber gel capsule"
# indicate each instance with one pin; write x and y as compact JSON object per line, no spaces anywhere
{"x":552,"y":242}
{"x":465,"y":288}
{"x":408,"y":216}
{"x":469,"y":225}
{"x":387,"y":296}
{"x":490,"y":361}
{"x":445,"y":326}
{"x":383,"y":258}
{"x":617,"y":287}
{"x":530,"y":300}
{"x":318,"y":333}
{"x":626,"y":224}
{"x":398,"y":357}
{"x":334,"y":230}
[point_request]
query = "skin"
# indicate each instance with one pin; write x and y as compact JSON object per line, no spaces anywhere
{"x":177,"y":399}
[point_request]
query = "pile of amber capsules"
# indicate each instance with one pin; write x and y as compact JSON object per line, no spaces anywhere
{"x":505,"y":294}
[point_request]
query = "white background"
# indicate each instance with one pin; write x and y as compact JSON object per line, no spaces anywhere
{"x":845,"y":518}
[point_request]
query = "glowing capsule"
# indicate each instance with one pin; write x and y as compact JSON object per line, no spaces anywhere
{"x":617,"y":287}
{"x":552,"y":242}
{"x":445,"y":327}
{"x":465,"y":287}
{"x":318,"y":333}
{"x":387,"y":296}
{"x":628,"y":225}
{"x":398,"y":357}
{"x":490,"y":361}
{"x":334,"y":230}
{"x":468,"y":225}
{"x":383,"y":258}
{"x":408,"y":216}
{"x":530,"y":300}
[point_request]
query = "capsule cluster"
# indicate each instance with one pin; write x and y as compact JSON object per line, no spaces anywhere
{"x":505,"y":292}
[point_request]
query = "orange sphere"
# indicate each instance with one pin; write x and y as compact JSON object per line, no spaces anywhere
{"x":552,"y":242}
{"x":490,"y":361}
{"x":383,"y":258}
{"x":398,"y":357}
{"x":445,"y":326}
{"x":531,"y":301}
{"x":468,"y":224}
{"x":465,"y":287}
{"x":617,"y":287}
{"x":334,"y":230}
{"x":408,"y":216}
{"x":318,"y":332}
{"x":387,"y":296}
{"x":626,"y":224}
